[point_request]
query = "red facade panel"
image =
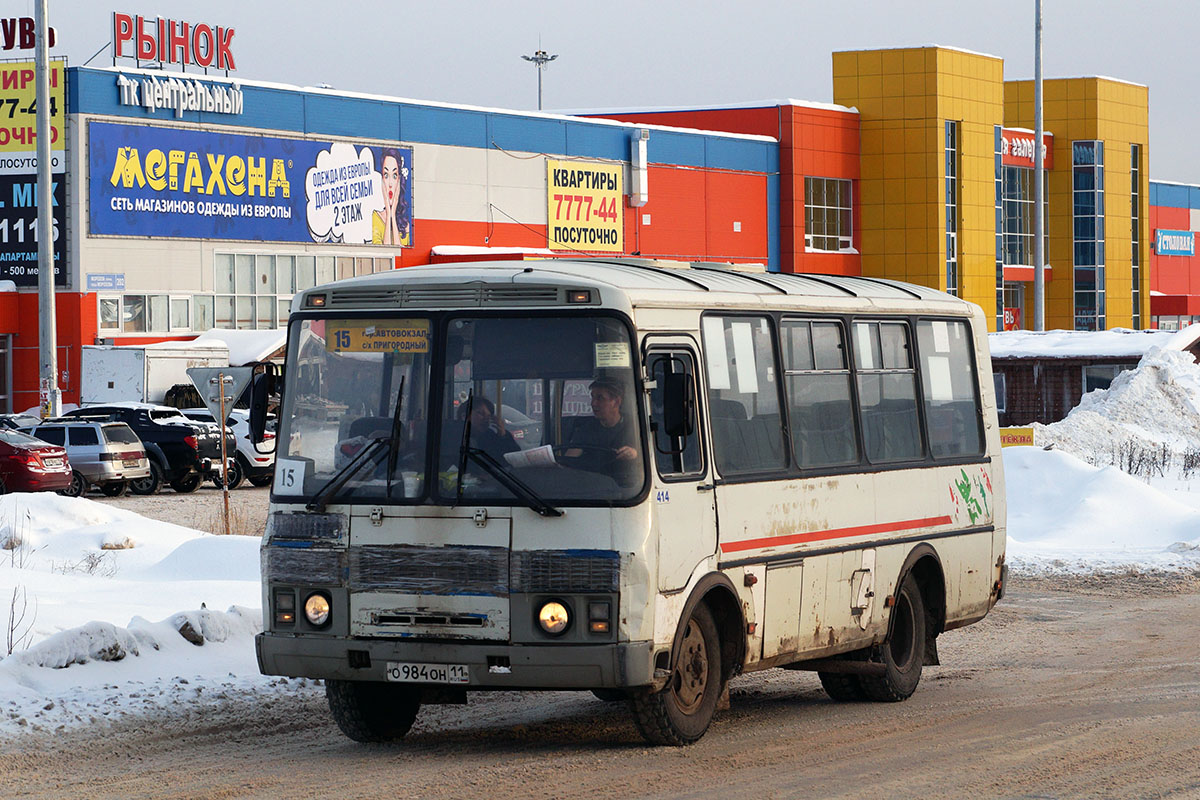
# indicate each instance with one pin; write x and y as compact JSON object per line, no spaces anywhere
{"x":1174,"y":279}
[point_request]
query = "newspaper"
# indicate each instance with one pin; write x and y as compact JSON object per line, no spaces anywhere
{"x":537,"y":457}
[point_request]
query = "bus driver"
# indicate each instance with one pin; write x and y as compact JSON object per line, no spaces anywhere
{"x":605,"y":442}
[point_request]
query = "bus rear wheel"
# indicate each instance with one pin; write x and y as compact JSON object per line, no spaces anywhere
{"x":903,"y":653}
{"x":842,"y":687}
{"x":681,"y":711}
{"x":369,"y":711}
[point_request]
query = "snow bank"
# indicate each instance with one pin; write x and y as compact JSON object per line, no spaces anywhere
{"x":1068,"y":516}
{"x":1156,"y":404}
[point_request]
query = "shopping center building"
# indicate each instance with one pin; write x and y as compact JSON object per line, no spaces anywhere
{"x":187,"y":201}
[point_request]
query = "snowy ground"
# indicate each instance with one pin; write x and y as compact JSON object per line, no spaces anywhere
{"x":93,"y":597}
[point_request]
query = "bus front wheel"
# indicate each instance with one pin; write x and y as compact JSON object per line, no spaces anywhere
{"x":372,"y":712}
{"x":903,"y":653}
{"x":682,"y":710}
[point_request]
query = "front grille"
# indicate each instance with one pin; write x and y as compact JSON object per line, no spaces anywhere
{"x":566,"y":571}
{"x":304,"y":566}
{"x":430,"y":570}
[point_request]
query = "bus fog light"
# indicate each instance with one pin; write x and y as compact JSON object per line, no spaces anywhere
{"x":285,"y":607}
{"x":316,"y":608}
{"x":598,"y":617}
{"x":554,"y":617}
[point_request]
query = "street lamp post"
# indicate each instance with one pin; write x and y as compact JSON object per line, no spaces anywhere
{"x":540,"y":59}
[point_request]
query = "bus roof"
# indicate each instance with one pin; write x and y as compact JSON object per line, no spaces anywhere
{"x":539,"y":282}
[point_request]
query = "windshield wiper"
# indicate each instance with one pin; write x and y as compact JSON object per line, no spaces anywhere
{"x":511,"y":482}
{"x":464,"y":447}
{"x":394,"y":453}
{"x":344,"y":474}
{"x":496,"y":470}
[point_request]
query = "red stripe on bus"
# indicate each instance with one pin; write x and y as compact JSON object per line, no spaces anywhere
{"x":833,"y":533}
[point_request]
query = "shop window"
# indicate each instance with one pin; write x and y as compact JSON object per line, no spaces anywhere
{"x":306,"y":272}
{"x":133,"y":313}
{"x":828,"y":210}
{"x":284,"y":278}
{"x":110,"y":313}
{"x":1087,"y":170}
{"x":264,"y":274}
{"x":204,"y":313}
{"x":326,"y":272}
{"x":179,"y":314}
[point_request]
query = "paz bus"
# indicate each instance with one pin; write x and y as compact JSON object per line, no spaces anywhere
{"x":634,"y":477}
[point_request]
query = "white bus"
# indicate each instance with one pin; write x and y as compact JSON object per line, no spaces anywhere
{"x":632,"y":477}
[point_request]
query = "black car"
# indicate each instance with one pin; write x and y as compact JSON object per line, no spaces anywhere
{"x":182,"y":452}
{"x":18,"y":421}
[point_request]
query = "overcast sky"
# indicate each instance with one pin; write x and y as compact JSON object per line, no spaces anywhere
{"x":661,"y":53}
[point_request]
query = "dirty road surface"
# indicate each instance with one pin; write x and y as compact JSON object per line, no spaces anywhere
{"x":1079,"y":688}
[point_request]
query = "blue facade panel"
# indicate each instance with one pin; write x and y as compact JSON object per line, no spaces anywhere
{"x":773,"y":256}
{"x":448,"y":126}
{"x":351,"y":116}
{"x":738,"y":154}
{"x":682,"y":149}
{"x":265,"y":108}
{"x":531,"y":134}
{"x":598,"y":141}
{"x":1173,"y":195}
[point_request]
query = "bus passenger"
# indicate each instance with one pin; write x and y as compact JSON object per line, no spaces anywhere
{"x":487,"y":430}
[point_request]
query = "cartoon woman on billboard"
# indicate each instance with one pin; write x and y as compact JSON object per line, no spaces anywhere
{"x":393,"y":224}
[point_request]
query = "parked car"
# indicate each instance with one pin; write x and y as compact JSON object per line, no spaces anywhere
{"x":104,"y":454}
{"x":18,"y":421}
{"x":28,"y":464}
{"x":182,"y":452}
{"x":255,"y":463}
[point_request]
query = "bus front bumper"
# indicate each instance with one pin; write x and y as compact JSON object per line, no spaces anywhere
{"x":489,"y":665}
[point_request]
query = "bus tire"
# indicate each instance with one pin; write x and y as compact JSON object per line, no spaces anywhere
{"x":904,"y":651}
{"x":681,"y":711}
{"x":842,"y":687}
{"x":369,"y":711}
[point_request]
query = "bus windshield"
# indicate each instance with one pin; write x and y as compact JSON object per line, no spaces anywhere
{"x":525,"y":408}
{"x":550,"y":401}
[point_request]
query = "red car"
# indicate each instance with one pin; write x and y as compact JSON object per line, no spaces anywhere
{"x":31,"y":465}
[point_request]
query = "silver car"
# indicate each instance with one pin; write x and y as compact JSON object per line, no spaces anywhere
{"x":104,"y":454}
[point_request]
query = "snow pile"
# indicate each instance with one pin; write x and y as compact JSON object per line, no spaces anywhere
{"x":1068,"y":516}
{"x":1154,"y":405}
{"x":80,"y":582}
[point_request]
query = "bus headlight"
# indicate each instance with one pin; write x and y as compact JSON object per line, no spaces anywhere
{"x":554,"y":617}
{"x":316,"y":608}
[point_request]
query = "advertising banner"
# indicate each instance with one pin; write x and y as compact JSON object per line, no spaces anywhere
{"x":585,"y":206}
{"x":184,"y":184}
{"x":1174,"y":243}
{"x":18,"y":172}
{"x":1016,"y":148}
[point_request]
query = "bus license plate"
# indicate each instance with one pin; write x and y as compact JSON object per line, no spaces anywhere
{"x":405,"y":672}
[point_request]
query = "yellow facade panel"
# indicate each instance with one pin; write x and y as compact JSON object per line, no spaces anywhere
{"x":870,"y":62}
{"x":846,"y":65}
{"x":892,"y":62}
{"x":893,"y":108}
{"x":893,"y":216}
{"x":845,"y":87}
{"x":915,"y":107}
{"x":914,"y":85}
{"x":893,"y":190}
{"x":870,"y":86}
{"x":914,"y":61}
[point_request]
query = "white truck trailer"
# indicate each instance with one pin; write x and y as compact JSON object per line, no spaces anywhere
{"x":143,"y":372}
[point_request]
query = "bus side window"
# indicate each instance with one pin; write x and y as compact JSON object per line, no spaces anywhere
{"x":949,"y":379}
{"x":674,"y":456}
{"x":817,"y":381}
{"x":743,"y":394}
{"x":887,"y":392}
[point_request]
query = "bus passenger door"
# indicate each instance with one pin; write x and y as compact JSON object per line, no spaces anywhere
{"x":681,"y":497}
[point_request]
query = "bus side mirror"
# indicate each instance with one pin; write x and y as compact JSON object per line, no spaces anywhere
{"x":261,"y":387}
{"x":678,"y":404}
